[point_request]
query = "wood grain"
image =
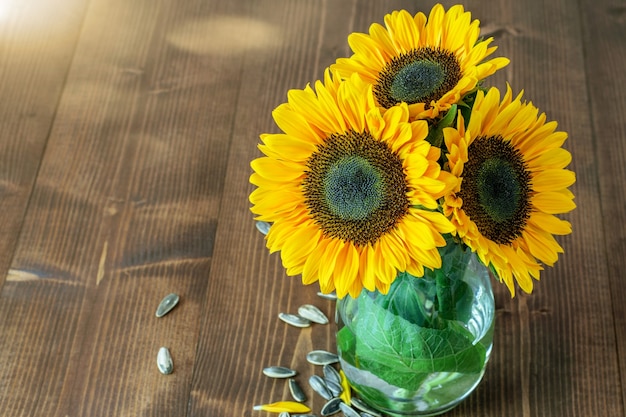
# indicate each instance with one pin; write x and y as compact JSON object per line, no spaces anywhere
{"x":128,"y":129}
{"x":603,"y":28}
{"x":35,"y":56}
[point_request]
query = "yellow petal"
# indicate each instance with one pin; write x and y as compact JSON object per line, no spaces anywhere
{"x":346,"y":271}
{"x":312,"y":264}
{"x":542,"y":246}
{"x":299,"y":245}
{"x":367,"y":270}
{"x":550,"y":223}
{"x":272,"y":168}
{"x":327,"y":268}
{"x":283,"y":406}
{"x":552,"y":180}
{"x":552,"y":158}
{"x":288,"y":147}
{"x":553,"y":202}
{"x":346,"y":395}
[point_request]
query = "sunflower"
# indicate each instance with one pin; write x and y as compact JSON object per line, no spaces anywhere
{"x":510,"y":163}
{"x":351,"y":192}
{"x":429,"y":64}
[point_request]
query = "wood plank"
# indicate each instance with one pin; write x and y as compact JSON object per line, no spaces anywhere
{"x":124,"y":211}
{"x":37,"y":41}
{"x":604,"y":25}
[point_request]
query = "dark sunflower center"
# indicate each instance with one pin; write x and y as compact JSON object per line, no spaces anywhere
{"x":355,"y":188}
{"x":499,"y":190}
{"x":496,"y":189}
{"x":416,"y":80}
{"x":418,"y":76}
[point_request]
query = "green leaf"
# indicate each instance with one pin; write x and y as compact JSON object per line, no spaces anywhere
{"x":405,"y":301}
{"x":403,"y":354}
{"x":435,"y":134}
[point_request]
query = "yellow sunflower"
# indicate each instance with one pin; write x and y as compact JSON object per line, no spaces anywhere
{"x":510,"y":163}
{"x":349,"y":191}
{"x":429,"y":64}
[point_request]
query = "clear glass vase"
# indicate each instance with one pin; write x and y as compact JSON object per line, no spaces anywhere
{"x":422,"y":348}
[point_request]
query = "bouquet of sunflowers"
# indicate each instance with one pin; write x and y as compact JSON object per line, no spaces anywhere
{"x":387,"y":176}
{"x":399,"y":145}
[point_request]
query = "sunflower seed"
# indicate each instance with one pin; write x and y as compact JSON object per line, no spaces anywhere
{"x":263,"y":227}
{"x":329,"y":296}
{"x":317,"y":383}
{"x":348,"y":411}
{"x":334,"y":388}
{"x":164,"y":361}
{"x":283,"y":414}
{"x":321,"y":357}
{"x":167,"y":304}
{"x":331,"y":374}
{"x":312,"y":313}
{"x":304,"y":415}
{"x":278,"y":372}
{"x":358,"y":403}
{"x":296,"y":391}
{"x":331,"y":407}
{"x":364,"y":414}
{"x":294,"y":320}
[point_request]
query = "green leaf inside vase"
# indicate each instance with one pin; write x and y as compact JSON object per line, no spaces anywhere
{"x":403,"y":353}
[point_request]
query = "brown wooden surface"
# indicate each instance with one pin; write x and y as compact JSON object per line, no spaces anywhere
{"x":127,"y":128}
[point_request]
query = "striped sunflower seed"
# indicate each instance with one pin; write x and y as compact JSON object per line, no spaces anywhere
{"x":263,"y":227}
{"x":164,"y":361}
{"x":331,"y":407}
{"x":329,"y":296}
{"x":294,"y":320}
{"x":347,"y":410}
{"x":312,"y":313}
{"x":283,"y":414}
{"x":278,"y":372}
{"x":167,"y":304}
{"x":296,"y":391}
{"x":335,"y":389}
{"x":317,"y":383}
{"x":322,"y":357}
{"x":331,"y":374}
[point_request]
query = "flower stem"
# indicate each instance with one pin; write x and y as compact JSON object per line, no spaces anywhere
{"x":444,"y":295}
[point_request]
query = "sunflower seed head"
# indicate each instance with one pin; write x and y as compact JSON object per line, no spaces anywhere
{"x":167,"y":304}
{"x":278,"y":372}
{"x":319,"y":386}
{"x":322,"y":357}
{"x":164,"y":361}
{"x":294,"y":320}
{"x":312,"y":313}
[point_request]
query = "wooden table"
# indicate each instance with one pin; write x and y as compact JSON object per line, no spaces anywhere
{"x":127,"y":128}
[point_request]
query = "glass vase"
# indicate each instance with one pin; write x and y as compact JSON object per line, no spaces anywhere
{"x":422,"y":348}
